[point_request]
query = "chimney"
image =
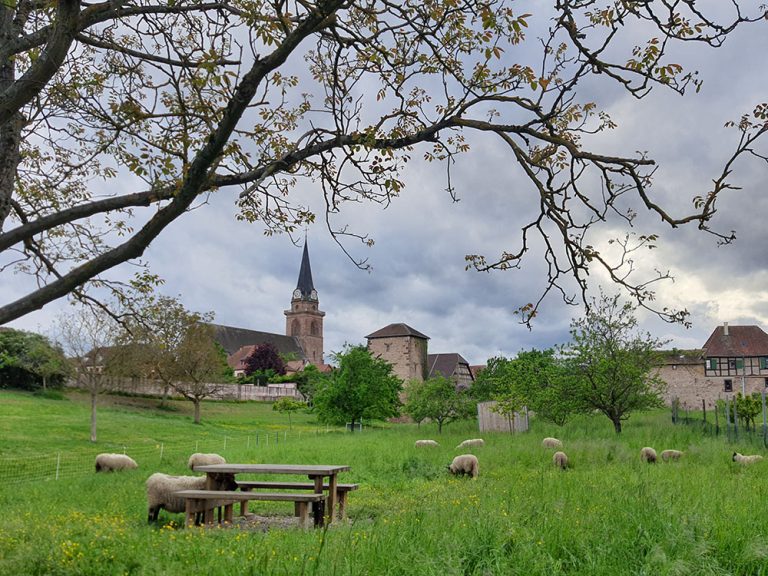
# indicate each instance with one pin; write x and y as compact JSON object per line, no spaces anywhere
{"x":725,"y":328}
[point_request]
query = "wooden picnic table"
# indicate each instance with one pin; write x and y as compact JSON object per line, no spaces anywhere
{"x":318,"y":473}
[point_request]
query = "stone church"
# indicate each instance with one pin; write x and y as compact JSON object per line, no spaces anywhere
{"x":302,"y":342}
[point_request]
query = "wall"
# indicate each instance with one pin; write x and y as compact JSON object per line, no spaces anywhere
{"x":495,"y":422}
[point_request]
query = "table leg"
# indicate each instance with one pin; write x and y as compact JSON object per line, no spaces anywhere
{"x":332,"y":496}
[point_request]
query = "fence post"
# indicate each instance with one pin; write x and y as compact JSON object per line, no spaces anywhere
{"x":728,"y":418}
{"x":717,"y":422}
{"x":162,"y":447}
{"x":225,"y":443}
{"x":58,"y":464}
{"x":704,"y":409}
{"x":765,"y":427}
{"x":735,"y":421}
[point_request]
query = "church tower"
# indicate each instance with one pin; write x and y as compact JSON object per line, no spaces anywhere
{"x":304,"y":320}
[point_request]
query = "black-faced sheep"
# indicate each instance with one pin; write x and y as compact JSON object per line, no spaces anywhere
{"x":673,"y":455}
{"x":648,"y":455}
{"x":160,"y":489}
{"x":114,"y":462}
{"x":198,"y":459}
{"x":472,"y":442}
{"x":551,"y":443}
{"x":426,"y":444}
{"x":560,"y":460}
{"x":741,"y":459}
{"x":465,"y":464}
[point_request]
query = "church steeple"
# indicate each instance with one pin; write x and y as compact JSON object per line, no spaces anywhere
{"x":304,"y":320}
{"x":305,"y":289}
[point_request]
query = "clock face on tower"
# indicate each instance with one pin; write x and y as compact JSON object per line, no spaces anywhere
{"x":313,"y":295}
{"x":297,"y":293}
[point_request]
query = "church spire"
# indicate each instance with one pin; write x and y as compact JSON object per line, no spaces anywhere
{"x":305,"y":289}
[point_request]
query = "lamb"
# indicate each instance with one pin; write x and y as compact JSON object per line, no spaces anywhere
{"x":648,"y":455}
{"x":160,"y":489}
{"x":551,"y":443}
{"x":560,"y":460}
{"x":465,"y":464}
{"x":668,"y":455}
{"x":426,"y":443}
{"x":741,"y":459}
{"x":114,"y":462}
{"x":472,"y":442}
{"x":198,"y":459}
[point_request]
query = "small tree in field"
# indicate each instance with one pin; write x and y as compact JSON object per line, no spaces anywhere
{"x":613,"y":364}
{"x":437,"y":399}
{"x":288,"y":405}
{"x":361,"y":387}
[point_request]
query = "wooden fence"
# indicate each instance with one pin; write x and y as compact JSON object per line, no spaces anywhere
{"x":490,"y":420}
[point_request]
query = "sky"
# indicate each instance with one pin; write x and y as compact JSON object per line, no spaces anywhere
{"x":215,"y":263}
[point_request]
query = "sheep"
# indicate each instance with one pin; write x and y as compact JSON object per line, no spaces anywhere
{"x":551,"y":443}
{"x":160,"y":489}
{"x":426,"y":443}
{"x":472,"y":442}
{"x":648,"y":455}
{"x":198,"y":459}
{"x":114,"y":462}
{"x":465,"y":464}
{"x":741,"y":459}
{"x":668,"y":455}
{"x":560,"y":460}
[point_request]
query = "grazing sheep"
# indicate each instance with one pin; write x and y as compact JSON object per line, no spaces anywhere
{"x":560,"y":460}
{"x":425,"y":443}
{"x":114,"y":462}
{"x":741,"y":459}
{"x":160,"y":489}
{"x":648,"y":455}
{"x":198,"y":459}
{"x":551,"y":443}
{"x":668,"y":455}
{"x":465,"y":464}
{"x":470,"y":443}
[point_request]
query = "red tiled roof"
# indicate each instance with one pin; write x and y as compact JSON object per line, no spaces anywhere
{"x":740,"y":341}
{"x":397,"y":330}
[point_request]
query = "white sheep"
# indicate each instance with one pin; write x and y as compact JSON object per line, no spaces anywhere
{"x":472,"y":442}
{"x":114,"y":462}
{"x":560,"y":460}
{"x":160,"y":489}
{"x":426,"y":443}
{"x":551,"y":443}
{"x":648,"y":455}
{"x":465,"y":464}
{"x":741,"y":459}
{"x":198,"y":459}
{"x":668,"y":455}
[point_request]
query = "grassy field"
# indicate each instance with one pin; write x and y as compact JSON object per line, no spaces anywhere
{"x":609,"y":514}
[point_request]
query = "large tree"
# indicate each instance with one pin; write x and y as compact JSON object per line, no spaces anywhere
{"x":614,"y":364}
{"x":264,"y":358}
{"x":186,"y":101}
{"x":29,"y":361}
{"x":362,"y":387}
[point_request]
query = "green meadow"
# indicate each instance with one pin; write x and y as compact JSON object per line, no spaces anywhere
{"x":608,"y":514}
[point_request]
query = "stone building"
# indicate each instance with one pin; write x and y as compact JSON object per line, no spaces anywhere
{"x":734,"y":359}
{"x":403,"y":347}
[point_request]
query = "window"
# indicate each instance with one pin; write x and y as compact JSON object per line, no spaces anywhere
{"x":728,"y":385}
{"x":731,"y":363}
{"x":713,"y":363}
{"x":764,"y":363}
{"x":766,"y":382}
{"x":740,"y":363}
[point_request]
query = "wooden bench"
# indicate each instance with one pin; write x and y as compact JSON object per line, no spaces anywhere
{"x":206,"y":501}
{"x":341,"y":492}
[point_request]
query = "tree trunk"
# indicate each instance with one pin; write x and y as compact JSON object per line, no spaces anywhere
{"x":196,"y":402}
{"x":10,"y":132}
{"x":616,"y":425}
{"x":439,"y":426}
{"x":93,"y":415}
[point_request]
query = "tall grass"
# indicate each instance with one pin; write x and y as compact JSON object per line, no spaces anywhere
{"x":608,"y":514}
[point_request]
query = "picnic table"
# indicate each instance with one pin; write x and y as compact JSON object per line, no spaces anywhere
{"x":324,"y":479}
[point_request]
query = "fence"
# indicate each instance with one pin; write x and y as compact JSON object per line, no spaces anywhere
{"x":154,"y":457}
{"x":490,"y":420}
{"x":723,"y":420}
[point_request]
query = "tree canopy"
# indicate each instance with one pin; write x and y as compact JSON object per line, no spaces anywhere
{"x":264,"y":358}
{"x":362,"y":387}
{"x":614,"y":365}
{"x":193,"y":102}
{"x":438,"y":400}
{"x":29,"y":361}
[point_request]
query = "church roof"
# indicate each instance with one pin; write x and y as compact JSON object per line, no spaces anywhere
{"x":233,"y":339}
{"x":446,"y":364}
{"x":305,"y":274}
{"x":737,"y":341}
{"x":394,"y":330}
